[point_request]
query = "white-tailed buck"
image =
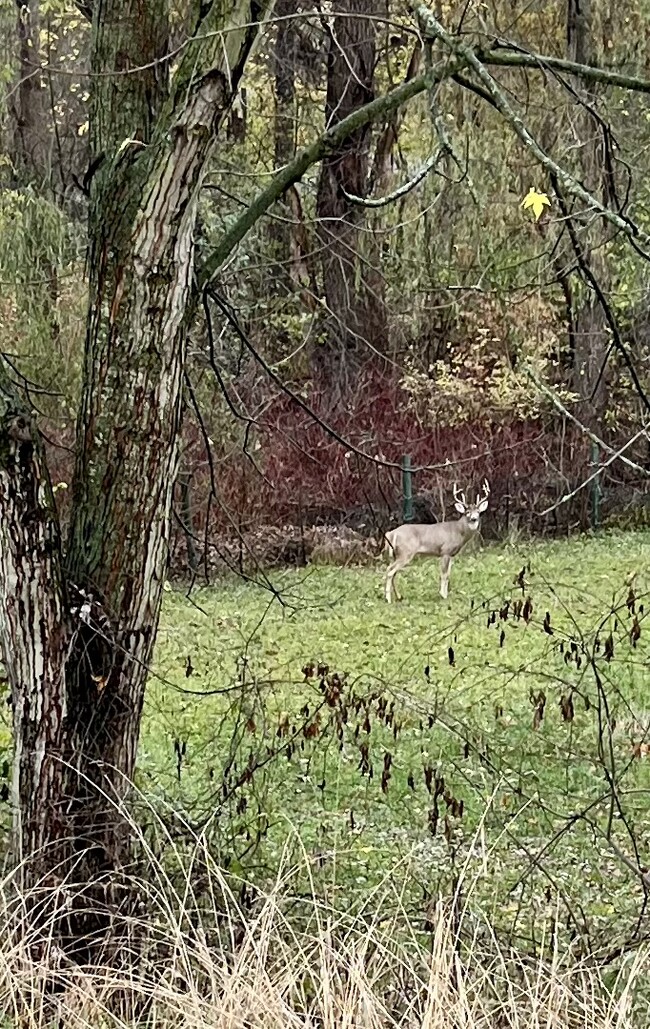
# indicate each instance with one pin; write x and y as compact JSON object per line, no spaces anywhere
{"x":443,"y":540}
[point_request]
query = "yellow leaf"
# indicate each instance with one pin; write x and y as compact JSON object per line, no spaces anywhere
{"x":536,"y":201}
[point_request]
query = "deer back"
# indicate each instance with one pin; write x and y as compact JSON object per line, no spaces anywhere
{"x":442,"y":538}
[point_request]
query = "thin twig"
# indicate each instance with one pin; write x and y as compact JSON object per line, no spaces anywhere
{"x":583,"y":428}
{"x":599,"y":470}
{"x":432,"y":29}
{"x":402,"y":190}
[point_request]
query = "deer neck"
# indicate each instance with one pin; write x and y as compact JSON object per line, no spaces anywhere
{"x":466,"y":530}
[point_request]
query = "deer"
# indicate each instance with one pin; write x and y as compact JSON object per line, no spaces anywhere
{"x":444,"y":540}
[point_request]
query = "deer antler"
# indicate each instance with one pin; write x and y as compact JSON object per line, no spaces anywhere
{"x":459,"y":496}
{"x":486,"y":492}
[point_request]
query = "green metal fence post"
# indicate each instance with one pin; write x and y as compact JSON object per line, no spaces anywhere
{"x":407,"y":489}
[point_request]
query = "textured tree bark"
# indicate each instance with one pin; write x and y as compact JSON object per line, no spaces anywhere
{"x":356,"y":313}
{"x":77,"y":661}
{"x":34,"y":628}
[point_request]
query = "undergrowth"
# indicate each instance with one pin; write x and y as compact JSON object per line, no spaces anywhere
{"x":199,"y":958}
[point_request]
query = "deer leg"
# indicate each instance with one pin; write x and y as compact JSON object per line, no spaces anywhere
{"x":391,"y":588}
{"x":445,"y":568}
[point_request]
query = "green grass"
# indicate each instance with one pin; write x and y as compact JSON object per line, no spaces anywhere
{"x":538,"y":809}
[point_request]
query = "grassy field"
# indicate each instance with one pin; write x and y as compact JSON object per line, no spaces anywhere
{"x":499,"y":736}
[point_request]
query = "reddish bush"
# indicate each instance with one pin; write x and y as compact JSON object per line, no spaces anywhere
{"x":303,"y":475}
{"x":298,"y":473}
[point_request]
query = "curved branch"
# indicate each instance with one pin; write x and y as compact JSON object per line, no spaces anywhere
{"x":311,"y":155}
{"x":610,"y":460}
{"x":592,"y":281}
{"x":384,"y":105}
{"x":555,"y":400}
{"x":540,"y":62}
{"x":402,"y":190}
{"x":461,"y":51}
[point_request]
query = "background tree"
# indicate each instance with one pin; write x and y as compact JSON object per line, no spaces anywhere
{"x":351,"y":283}
{"x":284,"y":149}
{"x":31,"y":147}
{"x":595,"y":147}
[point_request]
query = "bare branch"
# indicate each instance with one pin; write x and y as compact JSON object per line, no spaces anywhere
{"x":583,"y":428}
{"x":382,"y":106}
{"x":540,"y":62}
{"x":461,"y":51}
{"x":615,"y":456}
{"x":311,"y":155}
{"x":440,"y":129}
{"x":591,"y":280}
{"x":402,"y":190}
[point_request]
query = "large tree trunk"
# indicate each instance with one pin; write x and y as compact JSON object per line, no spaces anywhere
{"x":352,"y":287}
{"x":35,"y":627}
{"x":77,"y":662}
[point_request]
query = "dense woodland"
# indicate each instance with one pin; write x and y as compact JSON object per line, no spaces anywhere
{"x":253,"y":254}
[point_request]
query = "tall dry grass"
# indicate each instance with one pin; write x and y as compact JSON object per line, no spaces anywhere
{"x":198,"y":956}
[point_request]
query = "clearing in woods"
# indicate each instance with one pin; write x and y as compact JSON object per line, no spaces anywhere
{"x":501,"y":734}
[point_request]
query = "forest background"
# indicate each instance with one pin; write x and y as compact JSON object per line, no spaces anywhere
{"x":251,"y":257}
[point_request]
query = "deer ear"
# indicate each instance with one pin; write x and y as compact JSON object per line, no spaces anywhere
{"x":483,"y":506}
{"x":459,"y":507}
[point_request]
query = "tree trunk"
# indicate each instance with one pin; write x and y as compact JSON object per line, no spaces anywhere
{"x":352,"y":287}
{"x":284,"y":76}
{"x":590,"y":336}
{"x":31,"y":137}
{"x":381,"y":173}
{"x":35,"y":625}
{"x":291,"y":264}
{"x":78,"y":628}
